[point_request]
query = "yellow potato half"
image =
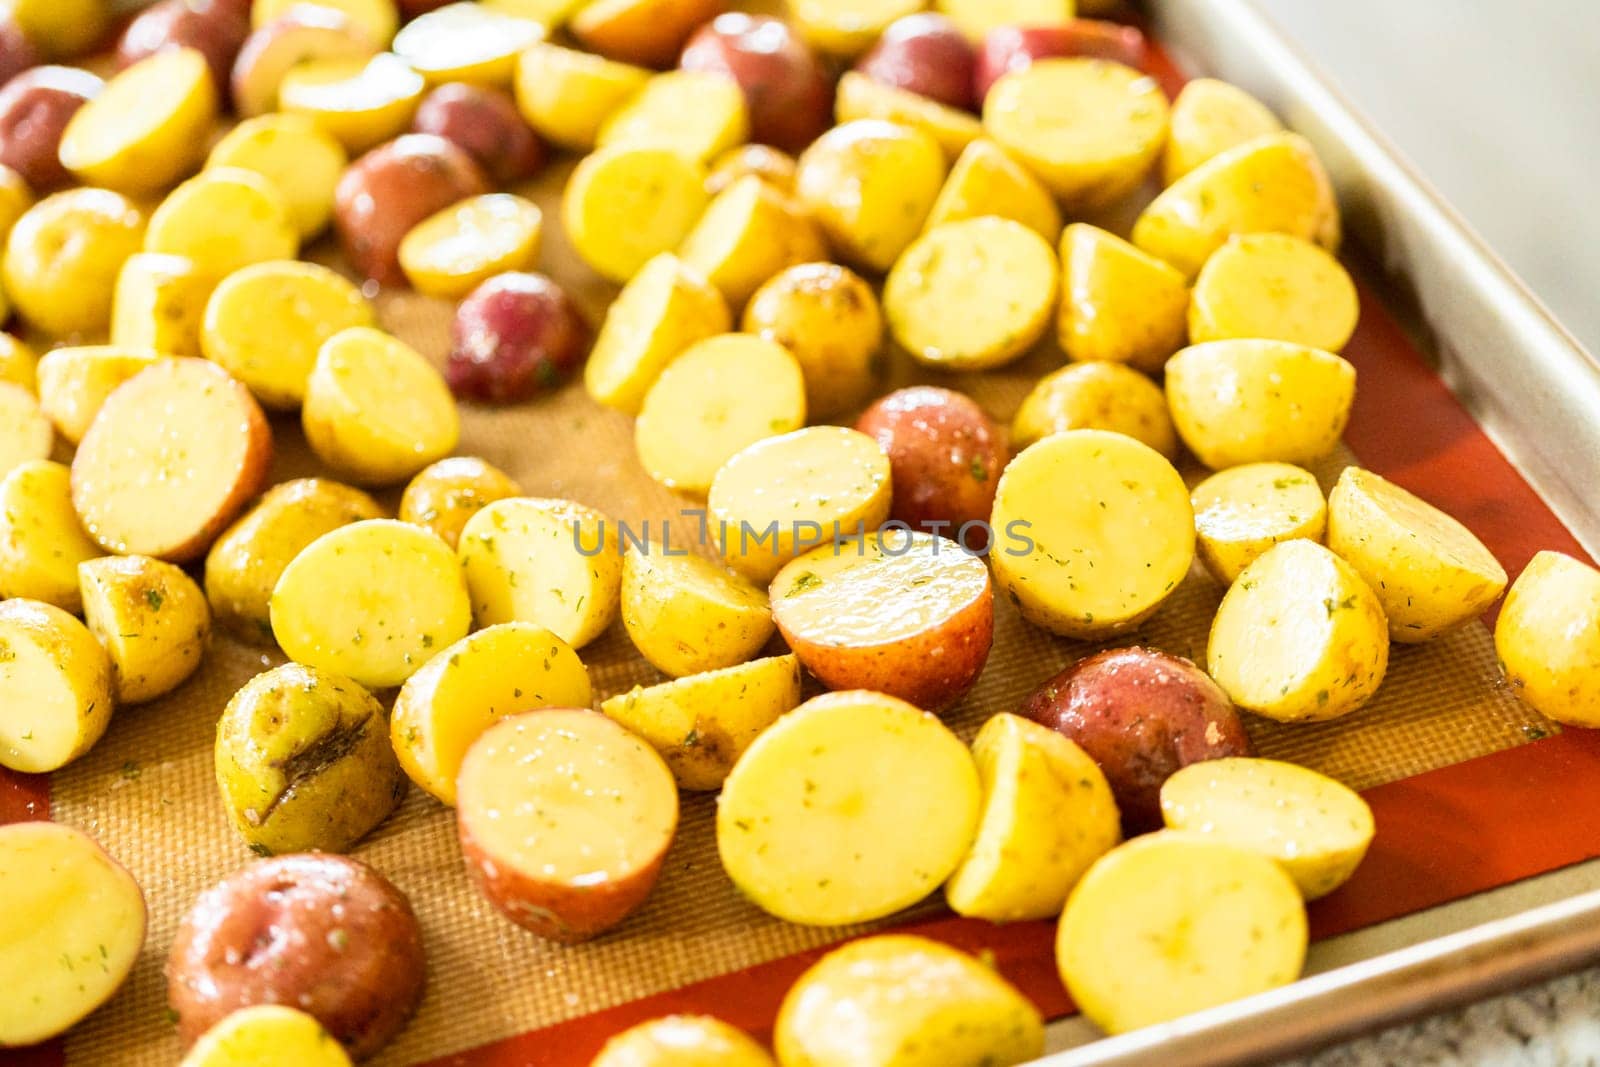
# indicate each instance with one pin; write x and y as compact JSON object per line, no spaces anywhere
{"x":55,"y":687}
{"x":1172,"y":923}
{"x":1431,"y":573}
{"x":1252,"y":401}
{"x":985,"y":180}
{"x":1274,"y":286}
{"x":150,"y":617}
{"x":376,"y":19}
{"x":41,"y":543}
{"x":812,"y":821}
{"x":449,"y":253}
{"x":1048,"y":814}
{"x":295,"y":156}
{"x":702,"y":723}
{"x":63,"y":256}
{"x":75,"y":381}
{"x":360,"y":102}
{"x":829,"y":317}
{"x":1548,"y":638}
{"x":870,"y":184}
{"x":847,"y":27}
{"x":682,"y":1041}
{"x":266,"y":1035}
{"x":1093,"y":530}
{"x":444,"y":495}
{"x":1299,"y":636}
{"x":222,"y":219}
{"x":750,"y":232}
{"x":26,"y":433}
{"x":901,"y":1001}
{"x":1208,"y":118}
{"x":18,"y":362}
{"x":1317,"y":829}
{"x":466,"y":42}
{"x":1241,"y":512}
{"x":147,"y":127}
{"x":686,"y":614}
{"x":1118,"y":304}
{"x":627,"y":203}
{"x":859,"y":97}
{"x":664,"y":309}
{"x":469,"y":686}
{"x":567,"y":95}
{"x":159,"y":303}
{"x":1096,"y":396}
{"x":697,"y":114}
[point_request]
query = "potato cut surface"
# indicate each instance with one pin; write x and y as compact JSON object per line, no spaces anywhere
{"x":371,"y":600}
{"x":444,"y":495}
{"x":1048,"y":813}
{"x":551,"y":562}
{"x":749,"y":233}
{"x":18,"y":362}
{"x":467,"y":687}
{"x":848,"y":27}
{"x":1089,"y":128}
{"x":360,"y":102}
{"x":295,"y":156}
{"x":1429,"y":572}
{"x":466,"y":42}
{"x":985,"y":180}
{"x":264,"y":324}
{"x":972,"y":295}
{"x":702,"y":723}
{"x":1316,"y":828}
{"x":1094,"y":530}
{"x":626,"y":203}
{"x":377,"y":19}
{"x":829,"y":317}
{"x":1209,"y":117}
{"x":55,"y":687}
{"x":62,"y":258}
{"x":70,"y":932}
{"x":147,"y":127}
{"x":25,"y":431}
{"x":812,"y":821}
{"x":976,"y":18}
{"x":74,"y":382}
{"x":222,"y":219}
{"x":762,"y":500}
{"x":158,"y":303}
{"x":870,"y":184}
{"x":1241,"y":512}
{"x":567,"y":95}
{"x":1099,"y":395}
{"x":686,"y":614}
{"x":1275,"y":286}
{"x":1172,"y":923}
{"x":375,"y":409}
{"x":859,"y":97}
{"x":1118,"y":303}
{"x":449,"y":253}
{"x":151,"y":618}
{"x":1299,"y":636}
{"x":170,"y":459}
{"x":41,"y":543}
{"x":698,"y":1040}
{"x":720,"y":396}
{"x":1548,"y":638}
{"x":267,"y":1035}
{"x":697,"y":114}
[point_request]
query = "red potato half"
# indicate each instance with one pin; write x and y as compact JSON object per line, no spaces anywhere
{"x":171,"y":458}
{"x":35,"y":108}
{"x":786,"y":89}
{"x":1141,"y":714}
{"x":1010,"y":48}
{"x":564,"y":819}
{"x":925,"y":54}
{"x":896,"y":612}
{"x":71,"y":929}
{"x":307,"y":32}
{"x":326,"y":934}
{"x":484,"y":123}
{"x":516,"y":336}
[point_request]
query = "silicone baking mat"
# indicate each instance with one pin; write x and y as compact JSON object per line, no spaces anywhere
{"x":1465,"y":798}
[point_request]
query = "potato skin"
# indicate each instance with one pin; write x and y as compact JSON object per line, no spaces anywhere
{"x":1009,"y":48}
{"x":214,"y":28}
{"x":786,"y":90}
{"x":516,"y":336}
{"x":326,"y":933}
{"x":485,"y":123}
{"x":1141,"y":714}
{"x":448,"y":493}
{"x":35,"y":107}
{"x":829,"y":317}
{"x":646,"y":32}
{"x":945,"y":458}
{"x":924,"y":54}
{"x":17,"y":52}
{"x":392,"y":188}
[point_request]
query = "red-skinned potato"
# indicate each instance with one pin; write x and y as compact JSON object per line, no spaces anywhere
{"x":485,"y":123}
{"x":649,"y":33}
{"x":35,"y":107}
{"x":214,"y":28}
{"x":788,"y":94}
{"x":1011,"y":48}
{"x":1141,"y":714}
{"x":386,"y":192}
{"x":945,"y":457}
{"x":323,"y":933}
{"x":305,"y":32}
{"x":17,"y":52}
{"x":410,"y":9}
{"x":515,"y":337}
{"x":926,"y":55}
{"x":564,"y":819}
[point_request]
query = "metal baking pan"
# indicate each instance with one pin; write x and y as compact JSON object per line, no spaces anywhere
{"x":1536,"y":394}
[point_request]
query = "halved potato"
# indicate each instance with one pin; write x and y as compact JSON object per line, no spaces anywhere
{"x":1208,"y":118}
{"x":567,"y":95}
{"x":266,"y":1035}
{"x":870,"y":185}
{"x":1253,"y":401}
{"x":469,"y":686}
{"x":976,"y":18}
{"x":1048,"y":813}
{"x":265,"y":323}
{"x":172,"y":456}
{"x":640,"y":31}
{"x":295,"y":156}
{"x":859,"y":97}
{"x":376,"y":19}
{"x":1089,"y":128}
{"x":1548,"y":638}
{"x":787,"y":494}
{"x":985,"y":180}
{"x":466,"y":42}
{"x":664,"y":309}
{"x":564,"y":819}
{"x":158,"y":304}
{"x":1299,"y":636}
{"x":1431,"y":573}
{"x":55,"y":687}
{"x":812,"y":821}
{"x":939,"y":300}
{"x":75,"y":381}
{"x":71,"y":930}
{"x":829,"y":317}
{"x":1241,"y":512}
{"x":222,"y":219}
{"x":18,"y":362}
{"x":702,"y":723}
{"x":627,"y":203}
{"x":1171,"y":923}
{"x":444,"y":495}
{"x":375,"y":409}
{"x":360,"y":102}
{"x":551,"y":562}
{"x":901,"y":1001}
{"x":41,"y":543}
{"x":147,"y":127}
{"x":371,"y":601}
{"x":449,"y":253}
{"x":63,"y":256}
{"x":314,"y":33}
{"x":25,"y":430}
{"x":719,"y":397}
{"x":1096,"y":396}
{"x":1118,"y":303}
{"x":1315,"y":828}
{"x":151,"y":618}
{"x":682,"y":1041}
{"x":898,"y":612}
{"x":686,"y":614}
{"x":697,"y":114}
{"x":1274,"y":286}
{"x":749,"y":233}
{"x":1093,"y":530}
{"x":848,"y":27}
